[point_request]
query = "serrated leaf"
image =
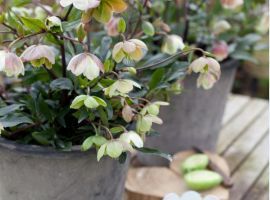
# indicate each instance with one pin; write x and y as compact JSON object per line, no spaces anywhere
{"x":34,"y":25}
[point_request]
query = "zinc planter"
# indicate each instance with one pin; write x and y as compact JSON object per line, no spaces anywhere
{"x":193,"y":118}
{"x":38,"y":173}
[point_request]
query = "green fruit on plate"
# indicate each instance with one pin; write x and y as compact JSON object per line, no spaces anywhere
{"x":195,"y":162}
{"x":202,"y":180}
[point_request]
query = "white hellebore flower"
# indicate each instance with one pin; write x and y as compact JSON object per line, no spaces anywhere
{"x":209,"y":70}
{"x":232,"y":4}
{"x":81,"y":4}
{"x":171,"y":44}
{"x":87,"y":64}
{"x":39,"y":55}
{"x":221,"y":27}
{"x":11,"y":64}
{"x":131,"y":50}
{"x":132,"y":138}
{"x":121,"y":87}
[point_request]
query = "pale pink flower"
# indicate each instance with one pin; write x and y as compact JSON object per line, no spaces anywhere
{"x":87,"y":64}
{"x":112,"y":27}
{"x":220,"y":50}
{"x":39,"y":55}
{"x":80,"y":4}
{"x":11,"y":64}
{"x":232,"y":4}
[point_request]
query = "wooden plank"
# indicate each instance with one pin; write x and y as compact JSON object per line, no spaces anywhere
{"x":247,"y":141}
{"x":235,"y":128}
{"x":250,"y":170}
{"x":259,"y":189}
{"x":235,"y":104}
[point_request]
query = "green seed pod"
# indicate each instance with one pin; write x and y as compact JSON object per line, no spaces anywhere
{"x":202,"y":180}
{"x":195,"y":162}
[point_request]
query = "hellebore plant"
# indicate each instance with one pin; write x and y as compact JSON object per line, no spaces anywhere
{"x":81,"y":76}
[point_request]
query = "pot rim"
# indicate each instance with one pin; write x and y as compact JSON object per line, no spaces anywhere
{"x":230,"y":63}
{"x":14,"y":146}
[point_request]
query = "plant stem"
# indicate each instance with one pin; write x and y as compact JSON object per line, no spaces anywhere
{"x":186,"y":19}
{"x":11,"y":28}
{"x":68,"y":13}
{"x":63,"y":57}
{"x":171,"y":57}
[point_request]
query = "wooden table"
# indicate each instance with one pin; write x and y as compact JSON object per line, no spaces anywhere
{"x":244,"y":143}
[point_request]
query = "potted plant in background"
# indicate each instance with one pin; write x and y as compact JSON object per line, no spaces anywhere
{"x":227,"y":30}
{"x":73,"y":87}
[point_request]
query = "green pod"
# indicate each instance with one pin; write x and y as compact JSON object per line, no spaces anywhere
{"x":195,"y":162}
{"x":203,"y":180}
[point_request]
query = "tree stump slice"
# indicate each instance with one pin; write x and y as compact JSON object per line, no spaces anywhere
{"x":153,"y":183}
{"x":220,"y":191}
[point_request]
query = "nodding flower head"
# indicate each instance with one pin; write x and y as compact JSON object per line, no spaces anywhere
{"x":11,"y":64}
{"x":209,"y":70}
{"x":220,"y":50}
{"x":87,"y":64}
{"x":129,"y":51}
{"x":172,"y":43}
{"x":39,"y":55}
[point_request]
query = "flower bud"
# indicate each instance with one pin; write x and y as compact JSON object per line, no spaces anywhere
{"x":87,"y":64}
{"x":232,"y":4}
{"x":11,"y":64}
{"x":220,"y":50}
{"x":39,"y":55}
{"x":129,"y":51}
{"x":171,"y":44}
{"x":221,"y":27}
{"x":112,"y":27}
{"x":80,"y":4}
{"x":54,"y":24}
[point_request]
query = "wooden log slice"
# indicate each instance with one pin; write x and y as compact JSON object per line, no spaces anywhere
{"x":153,"y":183}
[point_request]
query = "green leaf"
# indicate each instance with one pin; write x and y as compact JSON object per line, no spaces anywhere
{"x":154,"y":152}
{"x":11,"y":121}
{"x":69,"y":26}
{"x":117,"y":129}
{"x":34,"y":25}
{"x":156,"y":78}
{"x":61,"y":84}
{"x":42,"y":137}
{"x":9,"y":109}
{"x":18,"y":3}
